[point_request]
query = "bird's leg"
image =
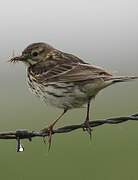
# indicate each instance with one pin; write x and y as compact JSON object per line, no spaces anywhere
{"x":50,"y":128}
{"x":86,"y":122}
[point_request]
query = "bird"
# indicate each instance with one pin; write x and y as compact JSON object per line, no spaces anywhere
{"x":64,"y":80}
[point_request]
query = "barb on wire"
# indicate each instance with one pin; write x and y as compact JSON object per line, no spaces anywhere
{"x":25,"y":134}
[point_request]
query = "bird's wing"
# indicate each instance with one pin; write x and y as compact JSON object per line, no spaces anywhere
{"x":63,"y":70}
{"x":81,"y":72}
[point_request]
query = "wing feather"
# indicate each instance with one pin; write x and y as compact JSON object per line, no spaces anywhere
{"x":66,"y":70}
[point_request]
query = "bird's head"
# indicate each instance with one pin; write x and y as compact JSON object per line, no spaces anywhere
{"x":34,"y":53}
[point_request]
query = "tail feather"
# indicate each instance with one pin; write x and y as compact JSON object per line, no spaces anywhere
{"x":116,"y":79}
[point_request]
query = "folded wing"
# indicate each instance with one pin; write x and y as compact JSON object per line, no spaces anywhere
{"x":66,"y":71}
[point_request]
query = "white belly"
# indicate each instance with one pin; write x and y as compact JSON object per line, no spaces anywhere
{"x":66,"y":96}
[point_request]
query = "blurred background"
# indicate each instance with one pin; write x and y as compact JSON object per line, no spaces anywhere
{"x":103,"y":32}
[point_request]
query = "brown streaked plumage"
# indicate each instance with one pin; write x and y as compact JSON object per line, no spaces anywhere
{"x":64,"y":80}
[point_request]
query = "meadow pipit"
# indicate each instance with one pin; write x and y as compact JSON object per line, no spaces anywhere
{"x":64,"y":80}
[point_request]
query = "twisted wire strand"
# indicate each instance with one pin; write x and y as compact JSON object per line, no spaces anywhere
{"x":25,"y":134}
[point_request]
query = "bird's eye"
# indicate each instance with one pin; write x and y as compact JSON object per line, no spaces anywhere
{"x":35,"y":53}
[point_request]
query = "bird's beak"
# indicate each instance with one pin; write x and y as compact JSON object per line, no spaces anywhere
{"x":17,"y":59}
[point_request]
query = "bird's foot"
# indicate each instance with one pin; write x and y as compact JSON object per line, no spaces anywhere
{"x":49,"y":131}
{"x":87,"y":127}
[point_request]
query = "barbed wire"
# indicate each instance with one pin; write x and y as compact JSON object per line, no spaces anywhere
{"x":25,"y":134}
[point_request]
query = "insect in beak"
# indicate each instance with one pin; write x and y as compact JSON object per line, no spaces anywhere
{"x":17,"y":59}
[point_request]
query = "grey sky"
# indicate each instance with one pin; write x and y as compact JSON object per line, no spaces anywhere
{"x":100,"y":31}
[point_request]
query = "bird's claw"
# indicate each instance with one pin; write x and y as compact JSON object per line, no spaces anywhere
{"x":87,"y":128}
{"x":48,"y":131}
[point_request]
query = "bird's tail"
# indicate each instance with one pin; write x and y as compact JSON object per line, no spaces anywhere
{"x":116,"y":79}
